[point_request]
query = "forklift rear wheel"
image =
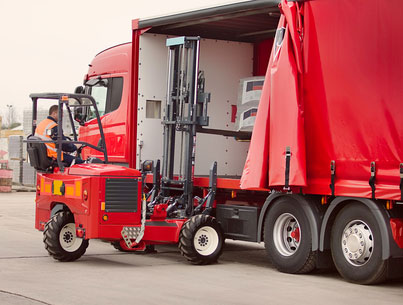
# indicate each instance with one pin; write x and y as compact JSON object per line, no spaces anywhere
{"x":288,"y":238}
{"x":60,"y":238}
{"x":201,"y":240}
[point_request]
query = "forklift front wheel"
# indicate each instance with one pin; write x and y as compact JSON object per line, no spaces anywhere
{"x":201,"y":240}
{"x":60,"y":238}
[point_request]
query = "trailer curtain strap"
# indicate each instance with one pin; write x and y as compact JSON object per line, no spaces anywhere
{"x":332,"y":175}
{"x":401,"y":181}
{"x":287,"y":168}
{"x":372,"y":179}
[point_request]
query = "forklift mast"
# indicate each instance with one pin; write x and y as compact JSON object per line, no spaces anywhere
{"x":185,"y":111}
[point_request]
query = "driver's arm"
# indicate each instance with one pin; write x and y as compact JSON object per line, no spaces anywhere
{"x":66,"y":147}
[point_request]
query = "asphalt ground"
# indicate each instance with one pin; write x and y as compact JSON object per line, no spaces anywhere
{"x":105,"y":276}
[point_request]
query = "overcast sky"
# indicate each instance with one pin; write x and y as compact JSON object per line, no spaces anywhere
{"x":46,"y":45}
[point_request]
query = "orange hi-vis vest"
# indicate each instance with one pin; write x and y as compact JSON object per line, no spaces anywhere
{"x":44,"y":131}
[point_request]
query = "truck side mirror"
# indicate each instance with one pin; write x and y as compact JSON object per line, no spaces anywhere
{"x":79,"y":90}
{"x":147,"y":166}
{"x":80,"y":116}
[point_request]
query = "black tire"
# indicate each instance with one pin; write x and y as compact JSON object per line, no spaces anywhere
{"x":63,"y":252}
{"x":289,"y":254}
{"x":117,"y":246}
{"x":368,"y":268}
{"x":209,"y":244}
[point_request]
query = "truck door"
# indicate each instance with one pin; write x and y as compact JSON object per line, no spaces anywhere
{"x":108,"y":95}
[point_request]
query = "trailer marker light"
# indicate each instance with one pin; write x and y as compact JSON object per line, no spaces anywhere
{"x":389,"y":204}
{"x":105,"y":217}
{"x":324,"y":200}
{"x":65,"y":98}
{"x":102,"y":206}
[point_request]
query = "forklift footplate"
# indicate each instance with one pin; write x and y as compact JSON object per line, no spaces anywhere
{"x":129,"y":234}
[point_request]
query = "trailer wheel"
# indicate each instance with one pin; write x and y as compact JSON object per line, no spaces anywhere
{"x":356,"y":246}
{"x":201,"y":240}
{"x":60,"y":238}
{"x":288,"y":238}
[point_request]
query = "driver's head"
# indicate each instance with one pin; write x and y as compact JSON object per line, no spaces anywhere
{"x":54,"y":111}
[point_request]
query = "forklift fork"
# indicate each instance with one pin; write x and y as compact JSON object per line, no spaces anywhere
{"x":209,"y":198}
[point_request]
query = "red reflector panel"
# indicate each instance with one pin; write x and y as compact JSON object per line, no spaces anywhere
{"x":396,"y":224}
{"x":234,"y":109}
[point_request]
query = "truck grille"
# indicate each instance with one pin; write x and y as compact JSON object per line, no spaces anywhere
{"x":121,"y":195}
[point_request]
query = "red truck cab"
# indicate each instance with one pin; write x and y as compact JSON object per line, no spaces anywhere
{"x":113,"y":98}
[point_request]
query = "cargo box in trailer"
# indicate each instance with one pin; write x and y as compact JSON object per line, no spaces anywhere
{"x":320,"y":177}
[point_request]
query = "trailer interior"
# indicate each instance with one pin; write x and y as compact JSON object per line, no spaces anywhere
{"x":236,"y":42}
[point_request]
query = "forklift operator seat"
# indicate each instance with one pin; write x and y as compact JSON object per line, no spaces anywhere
{"x":38,"y":155}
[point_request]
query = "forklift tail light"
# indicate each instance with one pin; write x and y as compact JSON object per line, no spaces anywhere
{"x":80,"y":232}
{"x":42,"y":226}
{"x":85,"y":194}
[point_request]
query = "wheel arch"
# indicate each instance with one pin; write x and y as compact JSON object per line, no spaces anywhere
{"x":57,"y":207}
{"x":309,"y":208}
{"x":377,"y":211}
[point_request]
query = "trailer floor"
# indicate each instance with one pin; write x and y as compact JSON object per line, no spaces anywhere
{"x":105,"y":276}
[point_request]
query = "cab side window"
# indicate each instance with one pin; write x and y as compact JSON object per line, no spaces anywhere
{"x":107,"y":95}
{"x":116,"y":94}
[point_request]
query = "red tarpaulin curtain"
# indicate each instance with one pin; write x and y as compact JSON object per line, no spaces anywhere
{"x":279,"y":125}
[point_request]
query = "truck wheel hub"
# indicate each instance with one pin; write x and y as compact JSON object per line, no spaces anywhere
{"x":357,"y":243}
{"x":286,"y":234}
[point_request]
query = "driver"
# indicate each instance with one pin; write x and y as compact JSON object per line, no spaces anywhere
{"x":47,"y":130}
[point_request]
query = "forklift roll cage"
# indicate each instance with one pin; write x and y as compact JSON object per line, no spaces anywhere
{"x":70,"y":101}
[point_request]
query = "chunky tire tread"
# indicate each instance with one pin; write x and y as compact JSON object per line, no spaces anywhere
{"x":310,"y":264}
{"x":51,"y":238}
{"x":304,"y":260}
{"x":187,"y":233}
{"x":117,"y":246}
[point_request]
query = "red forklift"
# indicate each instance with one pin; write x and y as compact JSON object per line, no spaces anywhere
{"x":97,"y":200}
